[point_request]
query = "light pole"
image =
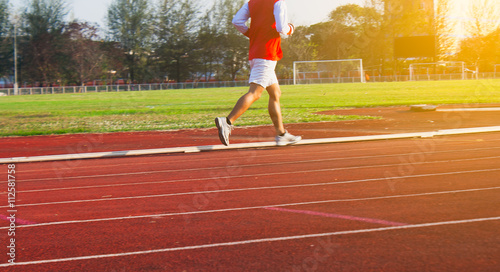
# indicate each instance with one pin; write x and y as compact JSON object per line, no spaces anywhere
{"x":16,"y":87}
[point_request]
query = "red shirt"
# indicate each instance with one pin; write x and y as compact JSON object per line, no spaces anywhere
{"x":265,"y":41}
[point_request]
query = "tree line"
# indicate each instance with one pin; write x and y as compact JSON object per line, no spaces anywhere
{"x":177,"y":40}
{"x":143,"y":41}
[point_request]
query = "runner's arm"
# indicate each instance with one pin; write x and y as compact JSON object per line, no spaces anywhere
{"x":281,"y":17}
{"x":240,"y":19}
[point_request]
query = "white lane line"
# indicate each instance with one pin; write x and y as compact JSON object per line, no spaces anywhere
{"x":230,"y":177}
{"x":190,"y":149}
{"x":198,"y":159}
{"x":253,"y":207}
{"x":298,"y":154}
{"x":257,"y":165}
{"x":252,"y":188}
{"x":256,"y":241}
{"x":201,"y":169}
{"x":206,"y":168}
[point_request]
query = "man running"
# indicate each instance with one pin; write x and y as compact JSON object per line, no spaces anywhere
{"x":269,"y":20}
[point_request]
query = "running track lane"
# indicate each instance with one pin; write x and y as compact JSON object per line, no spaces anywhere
{"x":215,"y":241}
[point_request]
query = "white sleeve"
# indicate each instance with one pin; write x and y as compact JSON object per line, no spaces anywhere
{"x":281,"y":17}
{"x":240,"y":19}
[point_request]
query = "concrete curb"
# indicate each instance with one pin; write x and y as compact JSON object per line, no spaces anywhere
{"x":194,"y":149}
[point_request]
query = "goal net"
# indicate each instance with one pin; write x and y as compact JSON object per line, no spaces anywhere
{"x":328,"y":71}
{"x":435,"y":70}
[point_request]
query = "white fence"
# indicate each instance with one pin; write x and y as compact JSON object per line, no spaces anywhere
{"x":426,"y":77}
{"x":122,"y":88}
{"x":243,"y":83}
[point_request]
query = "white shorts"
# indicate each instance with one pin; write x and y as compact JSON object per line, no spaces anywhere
{"x":262,"y":72}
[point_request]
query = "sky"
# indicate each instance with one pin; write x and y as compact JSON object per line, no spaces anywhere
{"x":301,"y":12}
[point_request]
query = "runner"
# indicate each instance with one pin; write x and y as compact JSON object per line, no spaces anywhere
{"x":269,"y":20}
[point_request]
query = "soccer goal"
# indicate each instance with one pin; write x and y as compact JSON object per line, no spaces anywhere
{"x":328,"y":71}
{"x":436,"y":70}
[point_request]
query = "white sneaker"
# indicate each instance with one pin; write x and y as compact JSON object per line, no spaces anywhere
{"x":224,"y":129}
{"x":287,"y":139}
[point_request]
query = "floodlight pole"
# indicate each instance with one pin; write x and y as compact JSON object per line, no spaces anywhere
{"x":16,"y":87}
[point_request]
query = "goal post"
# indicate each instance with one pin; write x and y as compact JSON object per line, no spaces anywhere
{"x":328,"y":71}
{"x":446,"y":66}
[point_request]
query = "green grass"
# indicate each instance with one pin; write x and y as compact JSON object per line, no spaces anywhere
{"x":177,"y":109}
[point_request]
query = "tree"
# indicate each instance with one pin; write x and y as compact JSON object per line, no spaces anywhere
{"x":41,"y":52}
{"x":333,"y":40}
{"x":409,"y":18}
{"x":5,"y":41}
{"x":482,"y":52}
{"x":225,"y":49}
{"x":177,"y":25}
{"x":340,"y":37}
{"x":129,"y":24}
{"x":208,"y":39}
{"x":370,"y":43}
{"x":297,"y":47}
{"x":234,"y":45}
{"x":4,"y":17}
{"x":114,"y":63}
{"x":485,"y":18}
{"x":443,"y":29}
{"x":83,"y":48}
{"x":491,"y":52}
{"x":406,"y":18}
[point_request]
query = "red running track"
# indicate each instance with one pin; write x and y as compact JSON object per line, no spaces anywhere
{"x":399,"y":205}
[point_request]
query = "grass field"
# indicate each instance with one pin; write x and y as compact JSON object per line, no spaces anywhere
{"x":177,"y":109}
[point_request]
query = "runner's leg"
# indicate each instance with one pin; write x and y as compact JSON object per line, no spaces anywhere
{"x":245,"y":102}
{"x":274,"y":108}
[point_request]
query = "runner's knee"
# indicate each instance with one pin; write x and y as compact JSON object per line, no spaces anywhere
{"x":255,"y":91}
{"x":274,"y":93}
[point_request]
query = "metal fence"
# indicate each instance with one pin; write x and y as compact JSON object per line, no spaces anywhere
{"x":426,"y":77}
{"x":122,"y":88}
{"x":226,"y":84}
